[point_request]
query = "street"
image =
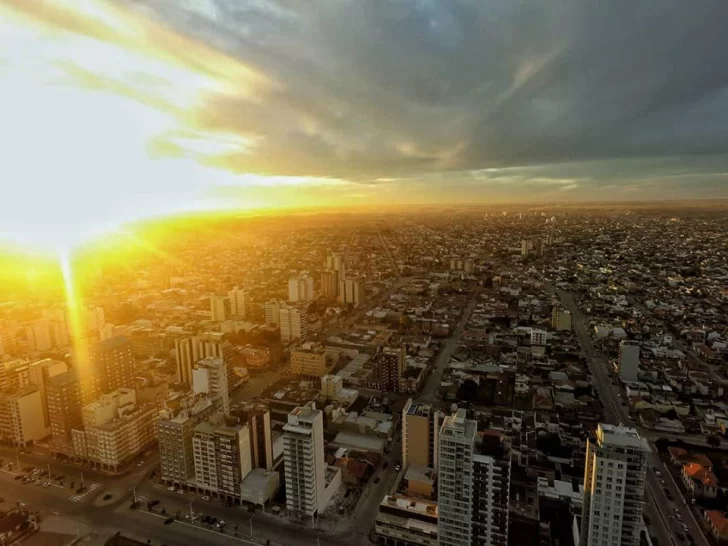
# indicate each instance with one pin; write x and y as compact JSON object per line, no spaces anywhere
{"x":663,"y":512}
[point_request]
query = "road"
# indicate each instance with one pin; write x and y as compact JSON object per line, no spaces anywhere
{"x":429,"y":393}
{"x":662,"y":511}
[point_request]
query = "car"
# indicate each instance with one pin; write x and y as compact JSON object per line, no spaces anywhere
{"x":668,"y":494}
{"x":398,"y":467}
{"x":376,"y":480}
{"x":658,"y":473}
{"x":152,"y":503}
{"x":107,"y":496}
{"x":647,"y":520}
{"x":181,"y":491}
{"x":663,"y":483}
{"x":47,"y":484}
{"x":171,"y":488}
{"x":18,"y":477}
{"x":678,"y":517}
{"x":681,"y":536}
{"x":168,"y":521}
{"x":222,"y":523}
{"x":205,"y":498}
{"x":140,"y":465}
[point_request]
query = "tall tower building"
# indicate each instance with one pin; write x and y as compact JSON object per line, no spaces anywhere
{"x":176,"y":429}
{"x":38,"y":334}
{"x":353,"y":292}
{"x":209,"y":376}
{"x":305,"y":467}
{"x":329,"y":284}
{"x":257,"y":417}
{"x":65,"y":408}
{"x":222,"y":456}
{"x":239,"y":302}
{"x":524,"y":248}
{"x":293,"y":323}
{"x":390,"y":363}
{"x":474,"y":484}
{"x":220,"y":308}
{"x":614,"y":487}
{"x":272,"y":312}
{"x":189,"y":350}
{"x":455,"y":480}
{"x":300,"y":288}
{"x":420,"y":434}
{"x":110,"y":367}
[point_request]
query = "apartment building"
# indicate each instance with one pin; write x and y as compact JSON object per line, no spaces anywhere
{"x":63,"y":399}
{"x":305,"y":467}
{"x":455,"y":479}
{"x":293,"y":322}
{"x":420,"y":434}
{"x":389,"y":365}
{"x":629,"y":360}
{"x":309,"y":361}
{"x":329,"y":284}
{"x":176,"y":427}
{"x":614,"y":487}
{"x":209,"y":376}
{"x":300,"y":288}
{"x":189,"y":350}
{"x":257,"y":418}
{"x":222,"y":456}
{"x":406,"y":521}
{"x":560,"y":319}
{"x":491,"y":490}
{"x":110,"y":367}
{"x":21,"y":416}
{"x":220,"y":308}
{"x":239,"y":302}
{"x":116,"y":429}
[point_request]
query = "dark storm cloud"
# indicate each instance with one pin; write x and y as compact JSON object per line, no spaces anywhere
{"x":371,"y":89}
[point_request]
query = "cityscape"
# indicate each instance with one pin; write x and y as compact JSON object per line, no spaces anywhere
{"x":363,"y":273}
{"x":491,"y":376}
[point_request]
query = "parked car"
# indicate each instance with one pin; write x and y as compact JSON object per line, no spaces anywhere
{"x":205,"y":498}
{"x":171,"y":488}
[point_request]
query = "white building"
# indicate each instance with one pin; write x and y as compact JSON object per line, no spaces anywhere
{"x":629,"y":360}
{"x":614,"y":487}
{"x":300,"y":288}
{"x":455,"y":480}
{"x":239,"y":301}
{"x":353,"y":292}
{"x":209,"y":376}
{"x":38,"y":334}
{"x":305,"y":467}
{"x":272,"y":312}
{"x":293,"y":322}
{"x":538,"y":337}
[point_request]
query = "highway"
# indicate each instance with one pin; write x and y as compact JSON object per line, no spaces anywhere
{"x":665,"y":515}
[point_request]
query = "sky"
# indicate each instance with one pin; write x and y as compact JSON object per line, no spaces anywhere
{"x":120,"y":109}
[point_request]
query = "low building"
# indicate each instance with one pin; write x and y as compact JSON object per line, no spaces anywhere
{"x":717,"y":523}
{"x":260,"y":486}
{"x":403,"y":521}
{"x":309,"y":360}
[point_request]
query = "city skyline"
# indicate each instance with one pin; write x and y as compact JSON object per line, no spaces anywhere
{"x":209,"y":106}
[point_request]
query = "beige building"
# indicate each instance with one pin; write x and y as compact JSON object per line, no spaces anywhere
{"x":420,"y":429}
{"x":329,"y":284}
{"x":63,"y":399}
{"x":560,"y":319}
{"x":21,"y":416}
{"x":309,"y":360}
{"x":293,"y":322}
{"x":222,"y":456}
{"x":220,"y":308}
{"x":116,"y":430}
{"x":176,"y":427}
{"x":209,"y":376}
{"x":406,"y":521}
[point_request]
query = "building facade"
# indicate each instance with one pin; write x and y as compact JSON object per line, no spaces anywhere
{"x":209,"y":376}
{"x":110,"y":367}
{"x":309,"y":361}
{"x":303,"y":456}
{"x":239,"y":302}
{"x":293,"y":322}
{"x":560,"y":319}
{"x":300,"y":288}
{"x":64,"y":402}
{"x":220,"y":308}
{"x":629,"y":360}
{"x":614,"y":487}
{"x":420,"y":434}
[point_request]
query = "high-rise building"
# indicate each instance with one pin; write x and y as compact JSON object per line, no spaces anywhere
{"x":63,"y":398}
{"x":176,"y":427}
{"x":353,"y":292}
{"x":389,"y":364}
{"x":220,"y":308}
{"x":209,"y":376}
{"x":474,"y":484}
{"x":335,"y":262}
{"x":300,"y":288}
{"x":21,"y":416}
{"x":329,"y":284}
{"x":455,"y":479}
{"x":272,"y":312}
{"x":309,"y":360}
{"x":293,"y":322}
{"x":420,"y":431}
{"x":95,"y":318}
{"x":538,"y":247}
{"x":560,"y":319}
{"x":239,"y":301}
{"x":110,"y":367}
{"x":38,"y":334}
{"x":491,"y":490}
{"x":614,"y":487}
{"x":524,"y":247}
{"x":305,"y":466}
{"x":208,"y":344}
{"x":257,"y":418}
{"x":222,"y":456}
{"x":629,"y":360}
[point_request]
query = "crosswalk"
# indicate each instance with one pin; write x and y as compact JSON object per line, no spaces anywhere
{"x":78,"y":496}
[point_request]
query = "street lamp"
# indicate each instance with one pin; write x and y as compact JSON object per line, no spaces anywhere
{"x":133,"y":492}
{"x":192,"y":514}
{"x":81,"y":474}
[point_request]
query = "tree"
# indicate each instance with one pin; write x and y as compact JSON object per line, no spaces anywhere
{"x":672,"y":414}
{"x":714,"y":440}
{"x":468,"y":391}
{"x":662,"y":444}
